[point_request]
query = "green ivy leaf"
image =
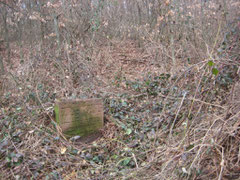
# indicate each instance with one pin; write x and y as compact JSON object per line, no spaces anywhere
{"x":115,"y":156}
{"x":190,"y":147}
{"x":124,"y":104}
{"x":147,"y":83}
{"x":96,"y":159}
{"x":210,"y":63}
{"x":128,"y":131}
{"x":126,"y":161}
{"x":18,"y":108}
{"x":215,"y":71}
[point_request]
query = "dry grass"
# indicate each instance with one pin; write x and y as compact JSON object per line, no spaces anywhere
{"x":162,"y":120}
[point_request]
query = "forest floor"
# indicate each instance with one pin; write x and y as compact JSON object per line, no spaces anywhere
{"x":160,"y":122}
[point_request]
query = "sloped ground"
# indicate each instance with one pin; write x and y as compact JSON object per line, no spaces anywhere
{"x":157,"y":125}
{"x":124,"y":59}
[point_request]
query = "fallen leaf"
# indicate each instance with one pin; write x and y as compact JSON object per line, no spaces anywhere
{"x":63,"y":150}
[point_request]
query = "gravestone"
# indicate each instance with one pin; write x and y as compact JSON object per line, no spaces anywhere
{"x":79,"y":117}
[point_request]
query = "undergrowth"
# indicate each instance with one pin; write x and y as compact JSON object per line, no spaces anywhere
{"x":160,"y":122}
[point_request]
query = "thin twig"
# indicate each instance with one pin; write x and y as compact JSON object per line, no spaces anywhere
{"x":184,"y":95}
{"x":52,"y":120}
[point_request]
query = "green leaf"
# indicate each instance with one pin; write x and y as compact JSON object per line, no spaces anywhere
{"x":123,"y":126}
{"x":147,"y":83}
{"x":190,"y":147}
{"x":18,"y":108}
{"x":124,"y":104}
{"x":8,"y":159}
{"x":128,"y":131}
{"x":210,"y":63}
{"x":96,"y":159}
{"x":115,"y":156}
{"x":126,"y":161}
{"x":215,"y":71}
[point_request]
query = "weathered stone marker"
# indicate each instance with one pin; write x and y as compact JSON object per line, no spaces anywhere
{"x":79,"y":117}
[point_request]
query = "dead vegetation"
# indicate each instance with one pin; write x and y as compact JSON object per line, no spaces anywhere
{"x":170,"y":87}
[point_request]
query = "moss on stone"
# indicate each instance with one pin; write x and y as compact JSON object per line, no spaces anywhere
{"x":83,"y":123}
{"x":79,"y":117}
{"x":56,"y":110}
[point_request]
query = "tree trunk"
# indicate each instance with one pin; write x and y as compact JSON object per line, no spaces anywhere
{"x":6,"y":33}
